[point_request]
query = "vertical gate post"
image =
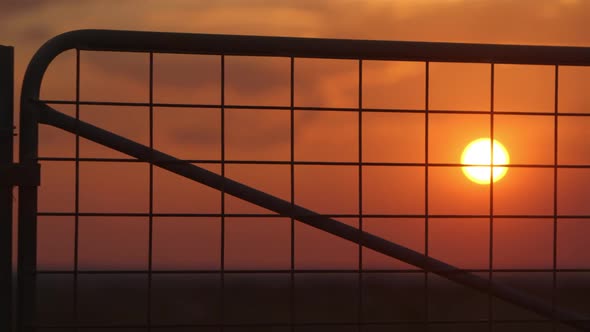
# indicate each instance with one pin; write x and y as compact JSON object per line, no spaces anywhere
{"x":6,"y":151}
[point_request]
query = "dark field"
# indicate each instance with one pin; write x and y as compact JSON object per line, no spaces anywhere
{"x":317,"y":302}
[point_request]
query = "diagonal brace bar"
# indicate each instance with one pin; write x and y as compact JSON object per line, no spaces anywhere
{"x":50,"y":116}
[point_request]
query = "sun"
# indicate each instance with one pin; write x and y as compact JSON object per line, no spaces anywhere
{"x":478,"y":152}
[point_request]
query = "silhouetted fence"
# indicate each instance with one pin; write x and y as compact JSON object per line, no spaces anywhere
{"x":35,"y":111}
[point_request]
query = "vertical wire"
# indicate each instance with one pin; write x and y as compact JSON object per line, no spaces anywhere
{"x":555,"y":135}
{"x":222,"y":263}
{"x":292,"y":173}
{"x":151,"y":192}
{"x":426,"y":219}
{"x":491,"y":230}
{"x":360,"y":193}
{"x":77,"y":192}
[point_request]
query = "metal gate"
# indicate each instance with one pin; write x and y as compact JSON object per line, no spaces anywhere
{"x":35,"y":111}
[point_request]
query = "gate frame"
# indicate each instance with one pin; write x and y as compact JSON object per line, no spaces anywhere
{"x":33,"y":112}
{"x":6,"y":185}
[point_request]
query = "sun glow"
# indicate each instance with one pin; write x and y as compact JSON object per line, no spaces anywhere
{"x":478,"y":152}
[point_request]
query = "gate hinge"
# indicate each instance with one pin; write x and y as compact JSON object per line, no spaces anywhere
{"x":28,"y":175}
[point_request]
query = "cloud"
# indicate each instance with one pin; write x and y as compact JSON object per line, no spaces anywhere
{"x":13,"y":7}
{"x":452,"y":20}
{"x":201,"y":135}
{"x":247,"y":131}
{"x":185,"y":80}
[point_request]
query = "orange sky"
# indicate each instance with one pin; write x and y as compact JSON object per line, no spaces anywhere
{"x":398,"y":138}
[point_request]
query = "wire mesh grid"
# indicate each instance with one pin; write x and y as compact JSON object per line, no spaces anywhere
{"x":289,"y":302}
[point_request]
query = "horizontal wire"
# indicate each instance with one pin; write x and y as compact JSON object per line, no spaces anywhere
{"x":309,"y":163}
{"x":300,"y":108}
{"x":307,"y":271}
{"x":301,"y":324}
{"x":274,"y":215}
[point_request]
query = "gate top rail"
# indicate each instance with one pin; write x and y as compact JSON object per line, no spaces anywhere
{"x":168,"y":42}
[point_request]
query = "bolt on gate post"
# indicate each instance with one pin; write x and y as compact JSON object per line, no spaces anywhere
{"x":6,"y":154}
